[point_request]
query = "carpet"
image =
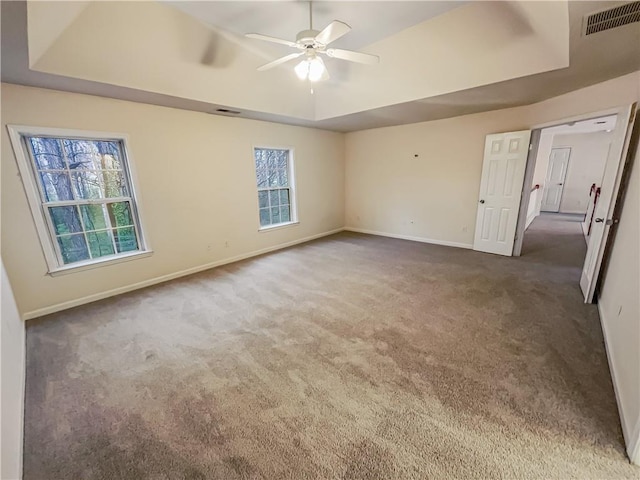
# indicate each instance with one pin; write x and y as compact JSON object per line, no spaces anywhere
{"x":349,"y":357}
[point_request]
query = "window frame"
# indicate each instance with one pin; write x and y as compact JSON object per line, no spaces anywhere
{"x":42,"y":220}
{"x":293,"y":198}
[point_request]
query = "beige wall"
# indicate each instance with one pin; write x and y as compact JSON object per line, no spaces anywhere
{"x":12,"y":359}
{"x":586,"y":166}
{"x":434,"y":196}
{"x":431,"y":196}
{"x":619,"y":305}
{"x":196,"y":189}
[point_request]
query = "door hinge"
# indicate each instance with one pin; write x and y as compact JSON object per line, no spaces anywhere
{"x":530,"y":146}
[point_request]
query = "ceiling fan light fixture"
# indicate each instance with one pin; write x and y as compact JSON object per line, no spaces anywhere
{"x":312,"y":43}
{"x":311,"y":69}
{"x":316,"y":69}
{"x":302,"y":69}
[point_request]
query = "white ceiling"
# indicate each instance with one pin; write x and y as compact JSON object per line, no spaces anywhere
{"x":370,"y":21}
{"x":526,"y":42}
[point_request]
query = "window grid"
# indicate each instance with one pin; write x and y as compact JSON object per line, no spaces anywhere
{"x":109,"y":228}
{"x":76,"y":203}
{"x":274,"y":182}
{"x":75,"y":179}
{"x":279,"y":205}
{"x":73,"y":194}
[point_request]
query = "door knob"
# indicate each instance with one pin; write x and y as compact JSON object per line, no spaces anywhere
{"x":481,"y":201}
{"x":559,"y":184}
{"x":611,"y":221}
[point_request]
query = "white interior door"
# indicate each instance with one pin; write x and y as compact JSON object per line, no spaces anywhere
{"x":505,"y":160}
{"x":554,"y":183}
{"x":603,"y":216}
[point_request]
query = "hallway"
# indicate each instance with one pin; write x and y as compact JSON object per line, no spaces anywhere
{"x":556,"y":239}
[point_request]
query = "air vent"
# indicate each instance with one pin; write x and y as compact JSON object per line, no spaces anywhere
{"x":611,"y":18}
{"x":226,"y":110}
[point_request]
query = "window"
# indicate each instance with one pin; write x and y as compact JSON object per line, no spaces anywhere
{"x":81,"y":195}
{"x":276,"y":201}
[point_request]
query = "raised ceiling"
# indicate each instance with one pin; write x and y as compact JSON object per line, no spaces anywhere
{"x":284,"y":19}
{"x":438,"y":59}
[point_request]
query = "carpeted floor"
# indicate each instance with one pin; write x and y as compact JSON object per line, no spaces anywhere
{"x":351,"y":357}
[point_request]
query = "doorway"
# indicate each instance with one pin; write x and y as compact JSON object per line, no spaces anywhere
{"x":569,"y":168}
{"x":596,"y":204}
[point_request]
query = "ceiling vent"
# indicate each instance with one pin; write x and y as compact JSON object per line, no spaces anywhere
{"x":226,"y":110}
{"x":611,"y":18}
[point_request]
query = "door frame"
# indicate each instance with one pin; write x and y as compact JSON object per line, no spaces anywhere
{"x":536,"y":132}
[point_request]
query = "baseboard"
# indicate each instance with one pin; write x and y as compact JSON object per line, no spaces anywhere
{"x":171,"y":276}
{"x":573,"y":212}
{"x":408,"y":237}
{"x":529,"y":221}
{"x":631,"y":438}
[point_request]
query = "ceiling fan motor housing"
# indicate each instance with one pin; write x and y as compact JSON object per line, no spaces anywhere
{"x":307,"y":37}
{"x":313,"y":42}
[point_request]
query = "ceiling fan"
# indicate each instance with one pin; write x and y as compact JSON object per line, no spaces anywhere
{"x":313,"y":43}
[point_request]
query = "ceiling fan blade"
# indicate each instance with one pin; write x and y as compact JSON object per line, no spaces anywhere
{"x":358,"y":57}
{"x":278,"y":61}
{"x":332,"y":32}
{"x":267,"y":38}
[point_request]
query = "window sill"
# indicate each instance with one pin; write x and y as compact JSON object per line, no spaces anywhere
{"x":277,"y":226}
{"x":82,"y":266}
